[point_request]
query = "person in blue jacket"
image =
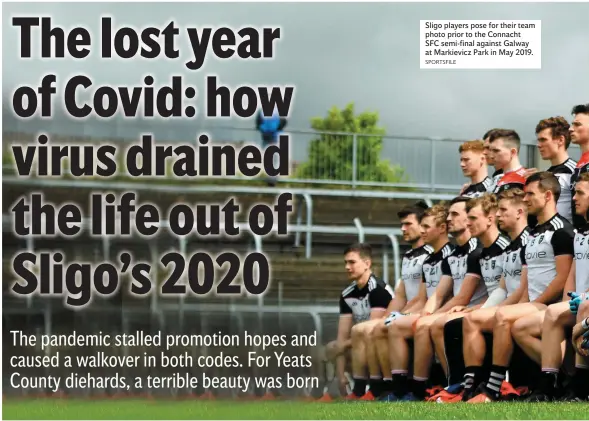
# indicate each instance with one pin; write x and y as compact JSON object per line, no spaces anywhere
{"x":270,"y":127}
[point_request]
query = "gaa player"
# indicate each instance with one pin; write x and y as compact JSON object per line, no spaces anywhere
{"x":546,"y":261}
{"x":447,"y":331}
{"x":553,"y":139}
{"x":474,"y":166}
{"x":491,"y":160}
{"x":543,"y":338}
{"x":504,"y":145}
{"x":461,"y":282}
{"x":580,"y":136}
{"x":410,"y":296}
{"x":512,"y":218}
{"x":400,"y":327}
{"x":366,"y":298}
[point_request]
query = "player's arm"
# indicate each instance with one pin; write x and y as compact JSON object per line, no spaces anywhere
{"x":417,"y":303}
{"x":379,"y":300}
{"x":470,"y":283}
{"x":443,"y":290}
{"x":400,"y":299}
{"x":498,"y":296}
{"x":570,"y":282}
{"x":563,"y":245}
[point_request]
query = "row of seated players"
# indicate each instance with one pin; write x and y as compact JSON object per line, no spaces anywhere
{"x":503,"y":286}
{"x":480,"y":304}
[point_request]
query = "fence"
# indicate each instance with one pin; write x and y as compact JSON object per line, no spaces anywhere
{"x":328,"y":158}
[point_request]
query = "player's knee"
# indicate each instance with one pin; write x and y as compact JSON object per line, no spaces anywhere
{"x":422,"y":328}
{"x":584,"y":309}
{"x":357,"y":332}
{"x":468,"y":324}
{"x":437,"y":328}
{"x":520,"y":329}
{"x":502,"y":319}
{"x":554,"y":316}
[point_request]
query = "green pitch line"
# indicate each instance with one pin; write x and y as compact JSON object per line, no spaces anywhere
{"x":153,"y":409}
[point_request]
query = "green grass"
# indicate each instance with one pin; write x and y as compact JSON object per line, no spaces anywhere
{"x":154,"y":409}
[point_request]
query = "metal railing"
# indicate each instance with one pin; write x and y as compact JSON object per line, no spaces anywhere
{"x":305,"y":194}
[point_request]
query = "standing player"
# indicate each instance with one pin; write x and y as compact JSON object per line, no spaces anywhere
{"x":512,"y":219}
{"x":474,"y":166}
{"x":447,"y":331}
{"x":410,"y":296}
{"x":400,"y":328}
{"x":546,"y":261}
{"x":366,"y":298}
{"x":543,"y":338}
{"x":491,"y":160}
{"x":580,"y":136}
{"x":504,"y":145}
{"x":461,"y":282}
{"x":553,"y":142}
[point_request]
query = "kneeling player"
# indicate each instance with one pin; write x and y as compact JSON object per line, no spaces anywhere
{"x":512,"y":218}
{"x":366,"y":298}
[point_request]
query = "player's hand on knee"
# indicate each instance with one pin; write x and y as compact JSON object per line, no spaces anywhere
{"x":576,"y":300}
{"x":457,"y":309}
{"x":392,"y":317}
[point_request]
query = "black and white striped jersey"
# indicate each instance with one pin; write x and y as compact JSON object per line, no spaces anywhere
{"x":360,"y":301}
{"x":512,"y":261}
{"x":432,"y":268}
{"x":412,"y":269}
{"x":478,"y":189}
{"x":465,"y":260}
{"x":564,"y":173}
{"x":491,"y":262}
{"x":553,"y":238}
{"x":582,"y":259}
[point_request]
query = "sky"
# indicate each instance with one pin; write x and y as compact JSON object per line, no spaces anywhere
{"x":340,"y":53}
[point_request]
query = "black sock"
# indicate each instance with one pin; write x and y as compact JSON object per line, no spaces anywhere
{"x":359,"y":387}
{"x":496,"y":378}
{"x":387,"y":385}
{"x":549,"y":384}
{"x":453,"y":351}
{"x":400,"y":384}
{"x":375,"y":385}
{"x":581,"y":382}
{"x":418,"y":389}
{"x":472,"y":378}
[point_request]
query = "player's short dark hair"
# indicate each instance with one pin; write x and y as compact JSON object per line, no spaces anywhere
{"x":417,"y":209}
{"x":580,"y":109}
{"x":459,"y":199}
{"x":546,"y":182}
{"x":363,"y":249}
{"x":489,"y":133}
{"x":584,"y":177}
{"x":510,"y":137}
{"x":558,"y":127}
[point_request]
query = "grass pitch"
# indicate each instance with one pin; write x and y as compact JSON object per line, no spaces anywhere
{"x":128,"y":409}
